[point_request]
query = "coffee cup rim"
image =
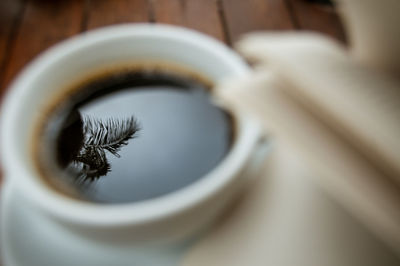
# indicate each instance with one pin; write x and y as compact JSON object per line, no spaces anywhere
{"x":137,"y":212}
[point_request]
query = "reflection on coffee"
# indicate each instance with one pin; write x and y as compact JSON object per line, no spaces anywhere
{"x":132,"y":134}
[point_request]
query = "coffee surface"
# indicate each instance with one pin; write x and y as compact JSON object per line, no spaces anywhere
{"x":135,"y":135}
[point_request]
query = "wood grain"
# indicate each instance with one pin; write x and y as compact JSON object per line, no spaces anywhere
{"x":317,"y":17}
{"x":43,"y":24}
{"x":10,"y":12}
{"x":106,"y":12}
{"x":27,"y":30}
{"x":199,"y":15}
{"x":244,"y":16}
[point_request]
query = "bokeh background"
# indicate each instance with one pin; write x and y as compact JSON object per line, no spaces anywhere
{"x":28,"y":27}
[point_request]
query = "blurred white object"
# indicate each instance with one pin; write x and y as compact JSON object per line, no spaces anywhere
{"x":286,"y":220}
{"x":332,"y":162}
{"x":339,"y":111}
{"x":364,"y":105}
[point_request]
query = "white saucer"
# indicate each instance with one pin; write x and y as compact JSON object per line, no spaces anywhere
{"x":29,"y":238}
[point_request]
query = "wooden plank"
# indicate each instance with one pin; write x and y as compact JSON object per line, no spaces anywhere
{"x":10,"y":11}
{"x":244,"y":16}
{"x":317,"y":17}
{"x":44,"y":23}
{"x":199,"y":15}
{"x":105,"y":12}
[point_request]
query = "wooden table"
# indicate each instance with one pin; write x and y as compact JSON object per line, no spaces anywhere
{"x":27,"y":27}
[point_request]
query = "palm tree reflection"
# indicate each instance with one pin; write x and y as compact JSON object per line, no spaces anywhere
{"x":84,"y":141}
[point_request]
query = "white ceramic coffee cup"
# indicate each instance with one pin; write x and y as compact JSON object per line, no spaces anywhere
{"x":173,"y":216}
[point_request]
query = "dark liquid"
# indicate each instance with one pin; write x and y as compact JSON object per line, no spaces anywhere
{"x":135,"y":135}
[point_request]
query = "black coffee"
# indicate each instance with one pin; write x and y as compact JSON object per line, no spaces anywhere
{"x":132,"y":135}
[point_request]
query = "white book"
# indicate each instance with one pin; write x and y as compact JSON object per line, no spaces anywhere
{"x":360,"y":104}
{"x":346,"y":173}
